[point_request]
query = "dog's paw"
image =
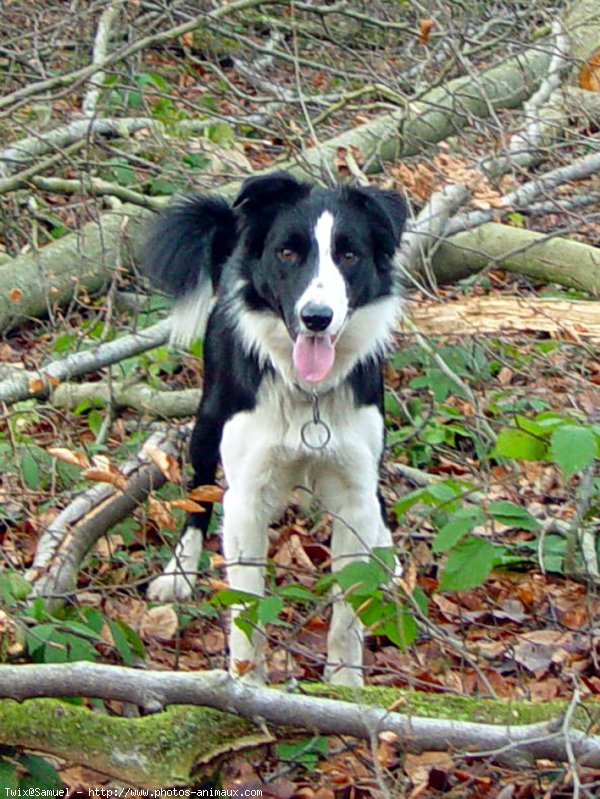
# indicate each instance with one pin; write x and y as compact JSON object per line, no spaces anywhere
{"x":171,"y":587}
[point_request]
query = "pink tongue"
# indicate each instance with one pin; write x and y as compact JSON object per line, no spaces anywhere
{"x":313,"y":357}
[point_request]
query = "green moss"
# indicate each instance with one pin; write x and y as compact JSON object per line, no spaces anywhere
{"x":459,"y":708}
{"x":152,"y":751}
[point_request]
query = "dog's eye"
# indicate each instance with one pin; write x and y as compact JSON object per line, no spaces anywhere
{"x":287,"y":255}
{"x":349,"y":258}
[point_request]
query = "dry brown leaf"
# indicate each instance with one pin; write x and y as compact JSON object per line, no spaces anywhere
{"x":106,"y":546}
{"x":160,"y":513}
{"x":187,"y":505}
{"x":589,"y":77}
{"x":103,"y":476}
{"x":217,"y":561}
{"x":306,"y":792}
{"x":206,"y":493}
{"x":505,"y":375}
{"x":341,"y":159}
{"x":36,"y":384}
{"x":408,"y":580}
{"x":52,"y":379}
{"x":418,"y":179}
{"x":159,"y":623}
{"x":539,"y":649}
{"x":165,"y":462}
{"x":103,"y":462}
{"x":417,"y":767}
{"x":68,"y":456}
{"x":244,"y":666}
{"x":387,"y":749}
{"x":187,"y":39}
{"x":324,"y":793}
{"x":425,"y":28}
{"x":451,"y":610}
{"x":575,"y":618}
{"x":215,"y":584}
{"x":213,"y":641}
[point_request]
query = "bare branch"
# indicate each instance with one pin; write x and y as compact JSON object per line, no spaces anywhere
{"x":23,"y":384}
{"x":139,"y":396}
{"x":155,"y":690}
{"x":90,"y":101}
{"x":521,"y":198}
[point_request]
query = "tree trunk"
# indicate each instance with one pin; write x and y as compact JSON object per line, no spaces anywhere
{"x":151,"y":752}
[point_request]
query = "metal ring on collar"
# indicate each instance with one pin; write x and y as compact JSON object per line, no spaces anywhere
{"x":315,"y":423}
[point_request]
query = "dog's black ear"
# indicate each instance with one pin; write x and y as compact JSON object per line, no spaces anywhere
{"x":264,"y":191}
{"x":188,"y":243}
{"x":388,"y":211}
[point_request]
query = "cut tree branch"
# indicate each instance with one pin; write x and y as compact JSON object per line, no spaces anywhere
{"x":505,"y":315}
{"x":90,"y":101}
{"x":71,"y":79}
{"x":32,"y":285}
{"x":526,"y":194}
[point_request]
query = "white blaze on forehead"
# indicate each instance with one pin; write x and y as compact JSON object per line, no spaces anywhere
{"x":328,"y":286}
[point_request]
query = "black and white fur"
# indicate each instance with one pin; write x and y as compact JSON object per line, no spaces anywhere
{"x":305,"y":302}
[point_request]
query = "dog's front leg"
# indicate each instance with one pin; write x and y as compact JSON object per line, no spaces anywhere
{"x":356,"y":530}
{"x":245,"y":548}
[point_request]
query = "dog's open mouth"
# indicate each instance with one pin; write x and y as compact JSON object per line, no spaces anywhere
{"x":313,"y":356}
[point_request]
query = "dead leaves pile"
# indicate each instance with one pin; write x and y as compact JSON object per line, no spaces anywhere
{"x":420,"y":180}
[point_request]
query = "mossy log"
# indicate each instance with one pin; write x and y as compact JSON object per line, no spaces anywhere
{"x":172,"y":747}
{"x":165,"y":748}
{"x":536,"y":255}
{"x":148,"y":752}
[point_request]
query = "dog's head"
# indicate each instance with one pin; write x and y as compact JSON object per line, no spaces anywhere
{"x":314,"y":258}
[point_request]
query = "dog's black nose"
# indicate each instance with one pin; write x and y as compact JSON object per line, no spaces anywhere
{"x":316,"y":317}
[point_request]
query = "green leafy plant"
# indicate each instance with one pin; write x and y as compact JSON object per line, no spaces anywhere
{"x":572,"y":446}
{"x":70,"y":634}
{"x":306,"y":752}
{"x":368,"y":587}
{"x":26,"y":774}
{"x":257,"y":610}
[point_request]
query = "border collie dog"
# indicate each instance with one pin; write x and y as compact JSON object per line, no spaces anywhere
{"x":293,"y":392}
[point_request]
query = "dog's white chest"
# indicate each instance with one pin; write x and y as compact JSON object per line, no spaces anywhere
{"x":266,"y":450}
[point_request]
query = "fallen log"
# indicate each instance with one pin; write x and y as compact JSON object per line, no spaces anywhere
{"x":538,"y":256}
{"x":31,"y":285}
{"x":505,"y":315}
{"x":34,"y":285}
